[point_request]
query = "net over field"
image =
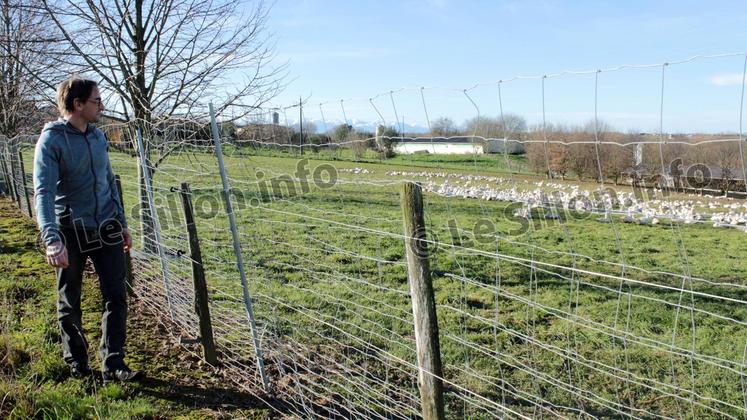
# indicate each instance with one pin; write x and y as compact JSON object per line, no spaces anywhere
{"x":574,"y":296}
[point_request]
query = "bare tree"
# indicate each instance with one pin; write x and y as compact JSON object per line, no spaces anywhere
{"x":26,"y":71}
{"x":309,"y":127}
{"x":582,"y":158}
{"x":160,"y":59}
{"x":558,"y":158}
{"x":607,"y":160}
{"x":510,"y":125}
{"x":726,"y":159}
{"x":443,"y":127}
{"x":616,"y":158}
{"x":539,"y":154}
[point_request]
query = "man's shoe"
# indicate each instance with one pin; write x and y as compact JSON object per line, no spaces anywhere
{"x":123,"y":374}
{"x":80,"y":370}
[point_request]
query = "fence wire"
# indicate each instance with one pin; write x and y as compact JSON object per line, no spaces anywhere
{"x":555,"y":297}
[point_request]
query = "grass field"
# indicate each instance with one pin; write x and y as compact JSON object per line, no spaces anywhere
{"x":545,"y":318}
{"x":484,"y":163}
{"x":35,"y":382}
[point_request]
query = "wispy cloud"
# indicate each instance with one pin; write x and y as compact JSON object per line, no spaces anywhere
{"x":729,"y":79}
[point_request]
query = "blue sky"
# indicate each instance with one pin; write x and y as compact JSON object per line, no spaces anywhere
{"x":354,"y":50}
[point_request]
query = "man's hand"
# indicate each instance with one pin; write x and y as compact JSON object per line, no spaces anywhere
{"x":127,"y":239}
{"x":57,"y":255}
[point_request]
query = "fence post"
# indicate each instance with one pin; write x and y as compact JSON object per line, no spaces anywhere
{"x":13,"y":175}
{"x":430,"y":370}
{"x":156,"y":223}
{"x":23,"y":184}
{"x":12,"y":172}
{"x":4,"y":167}
{"x":129,"y":277}
{"x":198,"y":276}
{"x":248,"y":306}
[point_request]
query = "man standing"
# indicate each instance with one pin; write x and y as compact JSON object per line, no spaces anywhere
{"x":80,"y":216}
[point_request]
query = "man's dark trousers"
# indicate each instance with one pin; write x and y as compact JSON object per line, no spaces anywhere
{"x":104,"y":247}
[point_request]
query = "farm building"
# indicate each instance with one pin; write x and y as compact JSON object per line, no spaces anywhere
{"x":455,"y":145}
{"x":515,"y":147}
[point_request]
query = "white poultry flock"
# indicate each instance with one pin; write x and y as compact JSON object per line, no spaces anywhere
{"x":723,"y":212}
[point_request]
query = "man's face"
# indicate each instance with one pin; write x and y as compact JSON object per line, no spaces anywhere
{"x":91,"y":109}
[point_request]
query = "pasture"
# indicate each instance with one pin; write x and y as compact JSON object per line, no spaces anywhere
{"x":537,"y":316}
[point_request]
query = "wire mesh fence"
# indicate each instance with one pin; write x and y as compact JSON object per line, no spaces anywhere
{"x":559,"y":297}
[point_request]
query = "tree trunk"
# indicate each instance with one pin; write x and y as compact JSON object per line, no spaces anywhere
{"x":143,"y":121}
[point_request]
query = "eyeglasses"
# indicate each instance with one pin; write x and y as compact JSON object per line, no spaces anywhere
{"x":97,"y":101}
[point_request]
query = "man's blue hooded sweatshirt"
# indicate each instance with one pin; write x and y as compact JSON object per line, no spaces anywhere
{"x":73,"y":180}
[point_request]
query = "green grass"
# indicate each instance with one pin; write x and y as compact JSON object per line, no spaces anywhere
{"x":307,"y":251}
{"x":34,"y":380}
{"x":487,"y":163}
{"x":484,"y":163}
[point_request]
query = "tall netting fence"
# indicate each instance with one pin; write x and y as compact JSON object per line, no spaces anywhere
{"x":16,"y":168}
{"x":576,"y":272}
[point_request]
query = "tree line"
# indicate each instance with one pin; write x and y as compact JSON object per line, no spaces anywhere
{"x":153,"y":60}
{"x":599,"y":153}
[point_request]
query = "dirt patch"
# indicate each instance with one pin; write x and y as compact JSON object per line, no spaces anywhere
{"x":177,"y":374}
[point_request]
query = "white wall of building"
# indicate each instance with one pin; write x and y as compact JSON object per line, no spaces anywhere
{"x":439,"y":148}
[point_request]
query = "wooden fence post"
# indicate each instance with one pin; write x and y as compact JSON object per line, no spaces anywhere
{"x":23,"y":184}
{"x":430,"y":370}
{"x":129,"y":277}
{"x":198,"y":276}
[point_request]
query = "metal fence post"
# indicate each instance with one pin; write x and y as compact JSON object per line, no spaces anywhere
{"x":16,"y":178}
{"x":156,"y":223}
{"x":427,"y":344}
{"x":202,"y":307}
{"x":129,"y":277}
{"x":4,"y":167}
{"x":237,"y":250}
{"x":23,"y":184}
{"x":13,"y":183}
{"x":13,"y":177}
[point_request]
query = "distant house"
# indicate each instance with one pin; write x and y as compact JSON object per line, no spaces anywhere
{"x":459,"y":145}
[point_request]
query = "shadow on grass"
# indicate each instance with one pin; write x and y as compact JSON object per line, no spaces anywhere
{"x":197,"y":397}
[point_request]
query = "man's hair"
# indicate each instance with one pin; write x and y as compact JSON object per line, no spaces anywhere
{"x":71,"y":89}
